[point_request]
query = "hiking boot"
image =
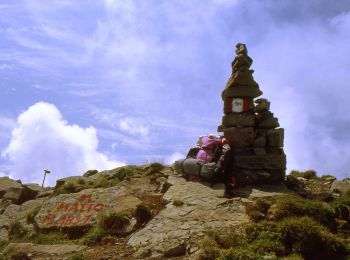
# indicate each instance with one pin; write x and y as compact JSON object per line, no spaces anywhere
{"x":229,"y":192}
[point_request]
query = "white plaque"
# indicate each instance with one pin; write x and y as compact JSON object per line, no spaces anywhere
{"x":237,"y":105}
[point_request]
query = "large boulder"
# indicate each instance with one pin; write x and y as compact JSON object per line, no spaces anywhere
{"x":81,"y":209}
{"x":342,"y":186}
{"x":6,"y":184}
{"x":4,"y":224}
{"x":15,"y":192}
{"x":76,"y":209}
{"x":177,"y":230}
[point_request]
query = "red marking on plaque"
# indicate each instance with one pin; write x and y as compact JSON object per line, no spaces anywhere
{"x":245,"y":105}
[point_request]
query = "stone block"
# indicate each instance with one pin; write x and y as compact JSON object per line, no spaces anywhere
{"x":260,"y":162}
{"x":241,"y":119}
{"x":242,"y":151}
{"x":239,"y":137}
{"x":260,"y":141}
{"x":262,"y":132}
{"x":274,"y":150}
{"x":269,"y":123}
{"x":241,"y":92}
{"x":262,"y":116}
{"x":220,"y":128}
{"x":259,"y":151}
{"x":262,"y":106}
{"x":248,"y":177}
{"x":275,"y":137}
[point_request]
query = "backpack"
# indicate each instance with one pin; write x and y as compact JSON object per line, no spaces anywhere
{"x":193,"y":167}
{"x":208,"y":147}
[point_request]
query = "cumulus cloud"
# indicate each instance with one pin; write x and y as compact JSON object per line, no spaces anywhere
{"x":42,"y":139}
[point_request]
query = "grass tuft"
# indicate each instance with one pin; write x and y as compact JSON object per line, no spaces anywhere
{"x":178,"y":203}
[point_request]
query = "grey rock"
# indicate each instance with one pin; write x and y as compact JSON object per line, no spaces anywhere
{"x":241,"y":92}
{"x":260,"y":141}
{"x":90,"y":173}
{"x":33,"y":187}
{"x":342,"y":186}
{"x":51,"y":251}
{"x":255,"y":162}
{"x":242,"y":151}
{"x":263,"y":116}
{"x":274,"y":150}
{"x":259,"y":151}
{"x":240,"y":137}
{"x":176,"y":228}
{"x":220,"y":128}
{"x":262,"y":106}
{"x":275,"y":137}
{"x":4,"y":221}
{"x":269,"y":123}
{"x":7,"y":184}
{"x":45,"y":193}
{"x":238,"y":119}
{"x":4,"y":235}
{"x":260,"y":100}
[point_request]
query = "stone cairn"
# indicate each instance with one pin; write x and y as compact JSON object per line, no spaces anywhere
{"x":252,"y":131}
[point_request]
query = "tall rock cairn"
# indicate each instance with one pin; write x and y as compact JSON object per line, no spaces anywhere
{"x":253,"y":132}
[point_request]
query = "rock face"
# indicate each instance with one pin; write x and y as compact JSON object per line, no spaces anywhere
{"x":176,"y":230}
{"x":256,"y":142}
{"x":12,"y":191}
{"x":342,"y":186}
{"x":76,"y":209}
{"x":33,"y":251}
{"x":79,"y":210}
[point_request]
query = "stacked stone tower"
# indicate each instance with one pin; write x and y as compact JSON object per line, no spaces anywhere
{"x":256,"y":142}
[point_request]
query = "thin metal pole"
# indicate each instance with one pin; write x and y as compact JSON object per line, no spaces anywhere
{"x":45,"y":172}
{"x":42,"y":185}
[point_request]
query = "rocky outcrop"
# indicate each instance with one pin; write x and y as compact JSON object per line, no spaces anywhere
{"x":33,"y":251}
{"x":14,"y":192}
{"x":342,"y":186}
{"x":193,"y":209}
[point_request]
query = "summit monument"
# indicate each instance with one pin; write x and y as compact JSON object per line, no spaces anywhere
{"x":253,"y":133}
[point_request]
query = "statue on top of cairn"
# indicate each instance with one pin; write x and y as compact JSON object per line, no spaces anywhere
{"x":256,"y":143}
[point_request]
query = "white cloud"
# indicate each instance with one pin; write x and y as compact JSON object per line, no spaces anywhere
{"x":174,"y":157}
{"x":43,"y":140}
{"x":134,"y":126}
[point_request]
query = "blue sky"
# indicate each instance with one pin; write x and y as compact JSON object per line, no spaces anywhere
{"x":97,"y":84}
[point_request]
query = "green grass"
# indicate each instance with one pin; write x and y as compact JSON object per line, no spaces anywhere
{"x":113,"y":222}
{"x":309,"y":174}
{"x":178,"y":203}
{"x":153,"y":168}
{"x":288,"y":206}
{"x":77,"y":256}
{"x":103,"y":180}
{"x":93,"y":236}
{"x":289,"y":238}
{"x":142,"y":214}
